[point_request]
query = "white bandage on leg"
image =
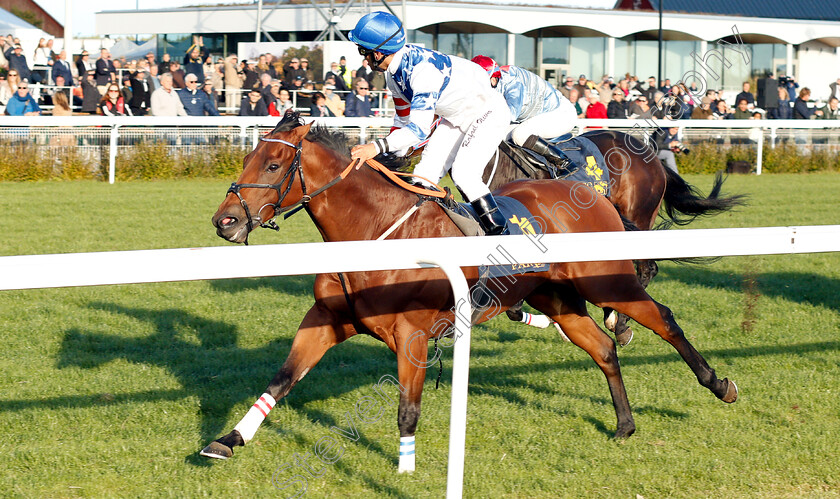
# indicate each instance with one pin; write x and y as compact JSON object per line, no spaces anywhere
{"x":249,"y":424}
{"x":407,"y":454}
{"x":536,"y":320}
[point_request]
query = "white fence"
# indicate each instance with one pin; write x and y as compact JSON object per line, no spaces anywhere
{"x":100,"y":134}
{"x":124,"y":267}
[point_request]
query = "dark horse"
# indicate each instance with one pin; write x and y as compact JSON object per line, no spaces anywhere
{"x":640,"y":185}
{"x":295,"y":164}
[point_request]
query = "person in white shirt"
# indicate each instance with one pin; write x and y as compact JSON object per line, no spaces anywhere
{"x":165,"y":100}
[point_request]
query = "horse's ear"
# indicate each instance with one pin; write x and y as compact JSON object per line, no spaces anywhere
{"x":301,"y":131}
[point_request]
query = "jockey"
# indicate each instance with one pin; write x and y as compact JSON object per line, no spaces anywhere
{"x":541,"y":111}
{"x":474,"y":117}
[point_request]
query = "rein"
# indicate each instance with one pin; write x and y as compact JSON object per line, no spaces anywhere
{"x":296,"y":169}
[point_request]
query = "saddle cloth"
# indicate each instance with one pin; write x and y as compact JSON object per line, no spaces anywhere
{"x":518,"y":220}
{"x":589,"y":164}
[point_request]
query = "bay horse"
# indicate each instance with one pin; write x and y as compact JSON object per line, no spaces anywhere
{"x":640,"y":189}
{"x":299,"y":166}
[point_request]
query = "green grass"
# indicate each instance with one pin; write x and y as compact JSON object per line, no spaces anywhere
{"x":111,"y":391}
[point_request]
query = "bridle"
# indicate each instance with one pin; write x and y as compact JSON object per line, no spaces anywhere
{"x":287,"y":180}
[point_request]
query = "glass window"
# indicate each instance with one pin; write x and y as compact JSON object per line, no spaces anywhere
{"x":420,"y":38}
{"x":647,"y":58}
{"x":459,"y":44}
{"x":555,"y":50}
{"x":625,"y":59}
{"x":490,"y":44}
{"x":739,"y":72}
{"x":526,"y":52}
{"x":587,"y":56}
{"x":677,"y":58}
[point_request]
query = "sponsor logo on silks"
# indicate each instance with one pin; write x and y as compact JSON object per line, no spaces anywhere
{"x":524,"y":224}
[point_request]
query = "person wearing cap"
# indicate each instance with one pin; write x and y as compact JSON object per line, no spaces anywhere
{"x":141,"y":93}
{"x":194,"y":58}
{"x":17,"y":62}
{"x":704,"y":111}
{"x":84,"y":64}
{"x":253,"y":105}
{"x":90,"y":94}
{"x":582,"y":87}
{"x":252,"y":78}
{"x":211,"y":93}
{"x":540,"y":111}
{"x":194,"y":63}
{"x":333,"y":101}
{"x":196,"y":102}
{"x":425,"y":83}
{"x":291,"y":72}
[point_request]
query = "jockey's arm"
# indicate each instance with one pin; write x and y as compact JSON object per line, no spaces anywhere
{"x":426,"y":82}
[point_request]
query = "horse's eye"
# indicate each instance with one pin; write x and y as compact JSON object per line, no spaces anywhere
{"x":273,"y":167}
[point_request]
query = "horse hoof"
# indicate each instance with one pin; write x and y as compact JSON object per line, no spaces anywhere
{"x":731,"y":392}
{"x":625,"y":337}
{"x":560,"y":330}
{"x":611,"y":320}
{"x":217,"y":450}
{"x":624,"y":432}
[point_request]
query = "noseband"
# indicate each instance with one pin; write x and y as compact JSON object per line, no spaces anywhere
{"x":287,"y":180}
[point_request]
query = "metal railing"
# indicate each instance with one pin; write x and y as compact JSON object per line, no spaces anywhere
{"x":96,"y":136}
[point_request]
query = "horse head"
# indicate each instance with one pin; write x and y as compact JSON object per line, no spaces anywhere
{"x":272,"y":179}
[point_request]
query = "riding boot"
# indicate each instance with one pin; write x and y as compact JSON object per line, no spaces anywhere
{"x":541,"y":147}
{"x":491,"y":219}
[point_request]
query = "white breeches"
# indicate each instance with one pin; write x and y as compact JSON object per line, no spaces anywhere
{"x":465,"y":154}
{"x":547,"y":125}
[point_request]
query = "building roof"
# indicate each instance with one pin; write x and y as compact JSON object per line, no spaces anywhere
{"x":776,"y":9}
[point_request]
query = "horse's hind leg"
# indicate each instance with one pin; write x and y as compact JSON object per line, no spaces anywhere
{"x":636,"y":303}
{"x":320,"y":330}
{"x":617,"y":322}
{"x":566,"y":307}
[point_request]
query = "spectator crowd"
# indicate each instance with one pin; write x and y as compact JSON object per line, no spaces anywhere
{"x":198,"y":84}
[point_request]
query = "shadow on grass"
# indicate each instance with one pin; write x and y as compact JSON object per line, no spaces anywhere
{"x":223,"y":375}
{"x":796,"y":287}
{"x":297,"y":285}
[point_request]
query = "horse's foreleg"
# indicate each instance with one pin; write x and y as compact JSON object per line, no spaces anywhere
{"x":319,"y":331}
{"x":412,"y":356}
{"x":569,"y":310}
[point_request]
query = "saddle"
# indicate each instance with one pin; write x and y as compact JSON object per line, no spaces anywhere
{"x":588,"y":164}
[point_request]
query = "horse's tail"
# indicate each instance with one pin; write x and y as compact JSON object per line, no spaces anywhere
{"x":683,"y":202}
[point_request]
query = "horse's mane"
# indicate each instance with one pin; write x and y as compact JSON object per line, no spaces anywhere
{"x":334,"y":139}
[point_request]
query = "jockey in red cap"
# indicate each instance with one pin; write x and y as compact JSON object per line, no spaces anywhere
{"x":539,"y":109}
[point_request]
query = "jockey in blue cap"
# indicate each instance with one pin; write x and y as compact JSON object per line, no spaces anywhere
{"x":423,"y":82}
{"x":541,"y":111}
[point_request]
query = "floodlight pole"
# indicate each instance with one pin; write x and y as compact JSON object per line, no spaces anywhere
{"x":68,"y":29}
{"x":659,"y":67}
{"x":259,"y":21}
